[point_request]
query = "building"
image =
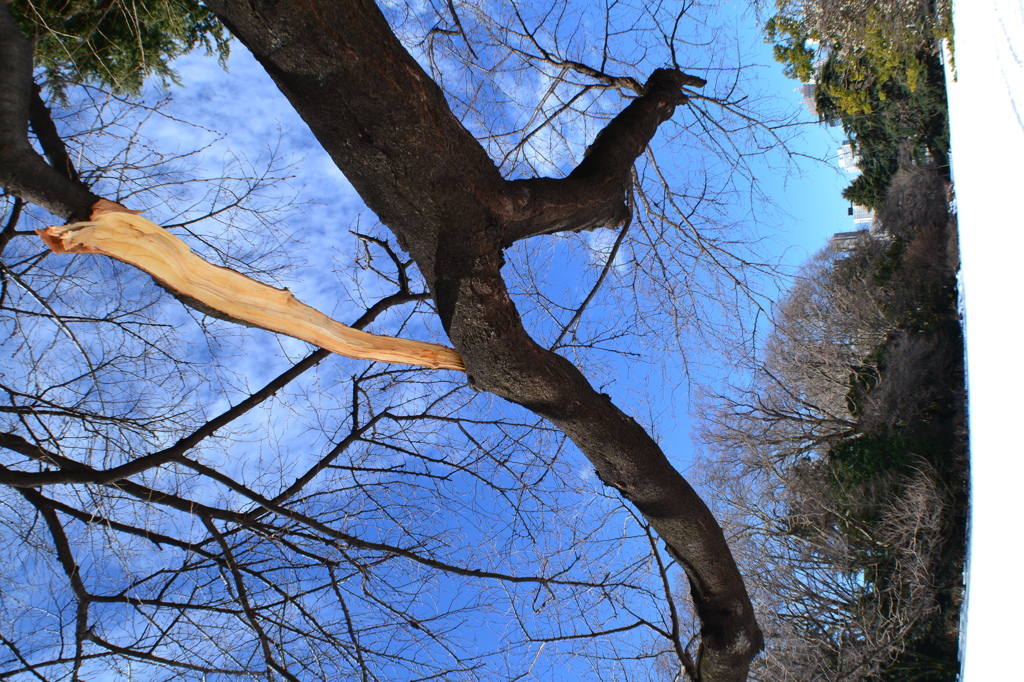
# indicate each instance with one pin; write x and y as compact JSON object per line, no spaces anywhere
{"x":807,"y":92}
{"x":844,"y":242}
{"x":848,"y":160}
{"x":861,"y":215}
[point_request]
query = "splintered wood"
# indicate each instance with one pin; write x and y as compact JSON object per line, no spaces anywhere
{"x":135,"y":240}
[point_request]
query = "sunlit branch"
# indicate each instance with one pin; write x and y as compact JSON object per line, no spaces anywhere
{"x":228,"y":294}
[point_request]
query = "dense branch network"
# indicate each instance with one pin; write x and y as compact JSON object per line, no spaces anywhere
{"x":388,"y":127}
{"x":432,"y":184}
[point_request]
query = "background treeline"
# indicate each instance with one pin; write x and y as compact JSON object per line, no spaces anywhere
{"x":878,"y":72}
{"x":840,"y":463}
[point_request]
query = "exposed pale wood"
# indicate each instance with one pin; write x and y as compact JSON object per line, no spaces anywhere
{"x":116,"y":232}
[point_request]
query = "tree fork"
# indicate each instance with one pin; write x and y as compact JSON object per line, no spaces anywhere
{"x":388,"y":127}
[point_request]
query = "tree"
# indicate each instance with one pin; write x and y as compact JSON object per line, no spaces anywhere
{"x":791,"y":47}
{"x":837,"y":468}
{"x":113,"y":43}
{"x":265,"y":548}
{"x":878,"y":72}
{"x":847,"y":577}
{"x":891,"y":35}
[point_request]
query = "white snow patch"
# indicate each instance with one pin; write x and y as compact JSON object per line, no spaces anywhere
{"x":987,"y":122}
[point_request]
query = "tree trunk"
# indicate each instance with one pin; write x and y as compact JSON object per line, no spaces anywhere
{"x":389,"y":129}
{"x":23,"y":171}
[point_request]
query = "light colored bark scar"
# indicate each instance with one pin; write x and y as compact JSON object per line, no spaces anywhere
{"x":117,"y":233}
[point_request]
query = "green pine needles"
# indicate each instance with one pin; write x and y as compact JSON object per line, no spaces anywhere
{"x":118,"y":44}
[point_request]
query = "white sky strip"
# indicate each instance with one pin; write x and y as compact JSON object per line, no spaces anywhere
{"x":986,"y":105}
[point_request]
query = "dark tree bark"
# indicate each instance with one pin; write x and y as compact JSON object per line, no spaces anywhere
{"x":389,"y":128}
{"x":23,"y":171}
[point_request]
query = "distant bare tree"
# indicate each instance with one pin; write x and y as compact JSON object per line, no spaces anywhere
{"x":814,"y":551}
{"x":845,"y":562}
{"x":798,"y":400}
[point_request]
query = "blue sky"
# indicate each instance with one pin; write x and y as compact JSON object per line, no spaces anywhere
{"x":239,"y":120}
{"x":241,"y":115}
{"x":256,"y":122}
{"x":245,"y":106}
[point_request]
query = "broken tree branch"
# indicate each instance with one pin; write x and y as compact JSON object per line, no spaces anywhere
{"x":118,"y":233}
